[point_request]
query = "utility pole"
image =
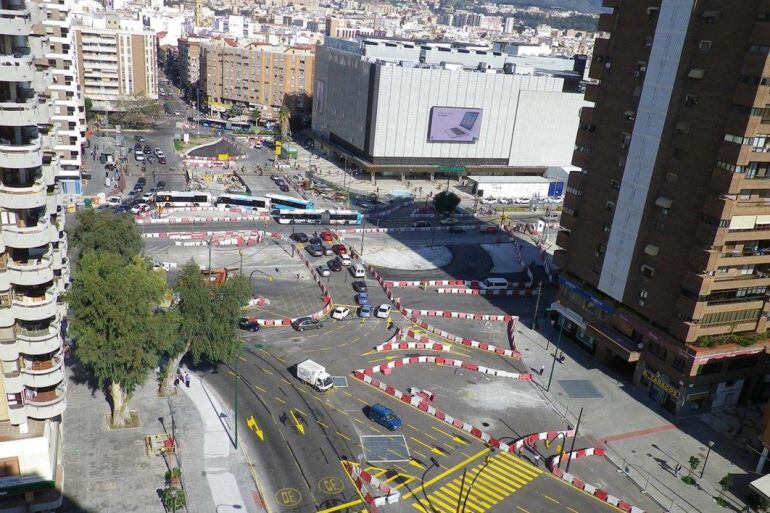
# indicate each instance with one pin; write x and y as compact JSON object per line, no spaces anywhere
{"x":553,"y":364}
{"x":237,"y":378}
{"x":363,"y":232}
{"x":537,"y":305}
{"x":572,"y":448}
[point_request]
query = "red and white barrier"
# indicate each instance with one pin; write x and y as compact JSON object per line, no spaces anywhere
{"x":409,"y":312}
{"x":552,"y":461}
{"x":540,"y":437}
{"x":361,"y":478}
{"x":529,"y":292}
{"x":386,"y":368}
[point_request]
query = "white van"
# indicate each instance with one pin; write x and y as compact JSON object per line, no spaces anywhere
{"x":358,"y":271}
{"x":494,"y":284}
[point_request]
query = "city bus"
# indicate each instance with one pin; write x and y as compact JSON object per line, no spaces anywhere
{"x":317,"y":216}
{"x":249,"y":203}
{"x":288,"y":203}
{"x":176,"y":199}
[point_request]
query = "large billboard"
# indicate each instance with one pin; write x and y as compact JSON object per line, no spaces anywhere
{"x":454,"y":124}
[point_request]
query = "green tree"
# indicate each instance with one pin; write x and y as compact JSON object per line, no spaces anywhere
{"x":104,"y":231}
{"x":725,"y":484}
{"x":694,"y":461}
{"x":284,"y":120}
{"x":208,"y":319}
{"x":256,"y":114}
{"x":88,"y":103}
{"x":446,"y":201}
{"x":117,"y":332}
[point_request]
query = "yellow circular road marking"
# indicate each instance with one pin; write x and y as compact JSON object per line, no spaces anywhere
{"x":331,"y":485}
{"x":288,"y":497}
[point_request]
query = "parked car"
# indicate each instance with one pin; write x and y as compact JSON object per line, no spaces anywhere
{"x":345,"y":259}
{"x":147,"y":149}
{"x":323,"y":270}
{"x":148,"y":196}
{"x":139,"y":139}
{"x":315,"y":239}
{"x":456,"y":229}
{"x":340,"y":249}
{"x":340,"y":312}
{"x":140,"y":208}
{"x":160,"y":185}
{"x":383,"y":311}
{"x":138,"y":157}
{"x":306,"y":323}
{"x":489,"y":229}
{"x":142,"y":180}
{"x":327,"y":249}
{"x":384,"y":416}
{"x":362,"y":298}
{"x":359,"y":286}
{"x":314,"y":250}
{"x":327,"y":236}
{"x":365,"y":310}
{"x":422,"y":224}
{"x":248,"y":324}
{"x":159,"y":152}
{"x":335,"y":264}
{"x":284,"y":188}
{"x":299,"y":237}
{"x":113,"y":201}
{"x":162,"y":160}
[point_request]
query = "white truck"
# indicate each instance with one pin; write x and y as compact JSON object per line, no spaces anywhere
{"x":315,"y":375}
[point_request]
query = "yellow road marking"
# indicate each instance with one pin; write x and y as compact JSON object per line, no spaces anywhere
{"x":260,"y":389}
{"x":322,"y":424}
{"x":450,"y":435}
{"x":242,"y":358}
{"x":280,"y":400}
{"x":434,"y":450}
{"x":521,"y":509}
{"x":447,"y":471}
{"x":286,"y":381}
{"x":347,"y":393}
{"x":345,"y":437}
{"x":573,"y":510}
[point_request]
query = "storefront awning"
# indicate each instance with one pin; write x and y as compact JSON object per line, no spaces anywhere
{"x":569,"y":314}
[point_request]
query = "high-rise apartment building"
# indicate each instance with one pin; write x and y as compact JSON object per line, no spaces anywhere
{"x":117,"y":60}
{"x":40,"y":136}
{"x":190,"y":64}
{"x":261,"y":76}
{"x":666,"y":231}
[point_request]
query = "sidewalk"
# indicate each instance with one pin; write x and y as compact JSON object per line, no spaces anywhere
{"x":642,"y":440}
{"x":109,"y":471}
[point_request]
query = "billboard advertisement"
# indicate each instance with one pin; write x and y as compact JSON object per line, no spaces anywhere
{"x":454,"y":125}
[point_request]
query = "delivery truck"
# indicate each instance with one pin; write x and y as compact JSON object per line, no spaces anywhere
{"x":315,"y":375}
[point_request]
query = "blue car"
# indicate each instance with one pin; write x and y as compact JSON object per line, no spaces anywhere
{"x":384,"y":417}
{"x":362,"y":298}
{"x":365,"y":310}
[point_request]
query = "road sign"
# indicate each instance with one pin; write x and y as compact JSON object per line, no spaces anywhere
{"x":452,"y":169}
{"x":223,"y":157}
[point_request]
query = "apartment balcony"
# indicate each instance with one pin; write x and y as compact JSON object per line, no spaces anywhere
{"x":26,"y":113}
{"x":739,"y":258}
{"x":606,"y":24}
{"x":690,"y":331}
{"x":35,"y":308}
{"x":42,"y":373}
{"x":758,"y":232}
{"x":17,"y":68}
{"x":26,"y":155}
{"x":40,"y":341}
{"x":47,"y":404}
{"x":739,"y":281}
{"x":21,"y":236}
{"x":23,"y":197}
{"x":15,"y":22}
{"x":34,"y":271}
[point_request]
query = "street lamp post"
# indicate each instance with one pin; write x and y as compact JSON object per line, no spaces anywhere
{"x":572,"y":447}
{"x":433,"y":464}
{"x":553,"y":364}
{"x":235,"y":414}
{"x":473,"y":481}
{"x":537,"y":304}
{"x":240,"y":254}
{"x":706,"y":460}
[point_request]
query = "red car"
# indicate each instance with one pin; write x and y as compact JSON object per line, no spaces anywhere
{"x":489,"y":229}
{"x":339,"y":249}
{"x":327,"y":236}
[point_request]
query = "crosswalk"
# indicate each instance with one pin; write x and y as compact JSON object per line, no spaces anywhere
{"x":503,"y":475}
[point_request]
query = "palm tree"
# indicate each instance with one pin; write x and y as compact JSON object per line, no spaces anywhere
{"x":284,"y":118}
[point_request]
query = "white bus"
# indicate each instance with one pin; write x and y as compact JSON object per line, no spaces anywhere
{"x":288,"y":202}
{"x":250,"y":203}
{"x":176,"y":199}
{"x":317,"y":216}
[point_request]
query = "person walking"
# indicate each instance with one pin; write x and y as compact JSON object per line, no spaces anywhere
{"x":542,"y":369}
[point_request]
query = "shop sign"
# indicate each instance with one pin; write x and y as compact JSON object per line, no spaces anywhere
{"x":659,"y":383}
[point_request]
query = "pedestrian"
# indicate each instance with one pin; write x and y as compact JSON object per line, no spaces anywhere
{"x":537,"y":460}
{"x":186,"y":380}
{"x":542,"y":368}
{"x":677,"y":469}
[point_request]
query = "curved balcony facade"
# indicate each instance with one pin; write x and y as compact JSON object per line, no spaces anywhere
{"x":35,"y":308}
{"x":28,"y":113}
{"x":15,"y":22}
{"x":43,"y":374}
{"x":39,"y":341}
{"x":16,"y":236}
{"x":32,"y":196}
{"x":21,"y":156}
{"x":46,"y":405}
{"x":34,"y":271}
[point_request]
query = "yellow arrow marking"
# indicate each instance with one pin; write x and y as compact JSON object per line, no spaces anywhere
{"x":432,"y":449}
{"x":413,"y":463}
{"x":297,"y":423}
{"x":252,"y":424}
{"x":453,"y":437}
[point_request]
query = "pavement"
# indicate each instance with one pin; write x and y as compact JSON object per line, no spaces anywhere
{"x":105,"y":467}
{"x":643,"y":441}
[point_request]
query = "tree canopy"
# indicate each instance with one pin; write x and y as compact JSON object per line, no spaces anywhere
{"x":446,"y":201}
{"x":105,"y":231}
{"x":118,"y":332}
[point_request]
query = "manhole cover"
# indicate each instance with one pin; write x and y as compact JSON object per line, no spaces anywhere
{"x":580,"y":389}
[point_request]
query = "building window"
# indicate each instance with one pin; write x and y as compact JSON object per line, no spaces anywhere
{"x":679,"y":363}
{"x":659,"y":225}
{"x":642,"y":297}
{"x":647,"y":271}
{"x":615,"y":184}
{"x":610,"y":207}
{"x":691,"y":100}
{"x":672,"y":177}
{"x":704,"y":45}
{"x":657,"y":350}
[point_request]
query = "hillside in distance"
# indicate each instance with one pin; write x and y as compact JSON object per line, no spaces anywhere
{"x":592,"y":6}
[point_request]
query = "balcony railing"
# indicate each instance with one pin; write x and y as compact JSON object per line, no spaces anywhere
{"x":32,"y":271}
{"x":45,"y":405}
